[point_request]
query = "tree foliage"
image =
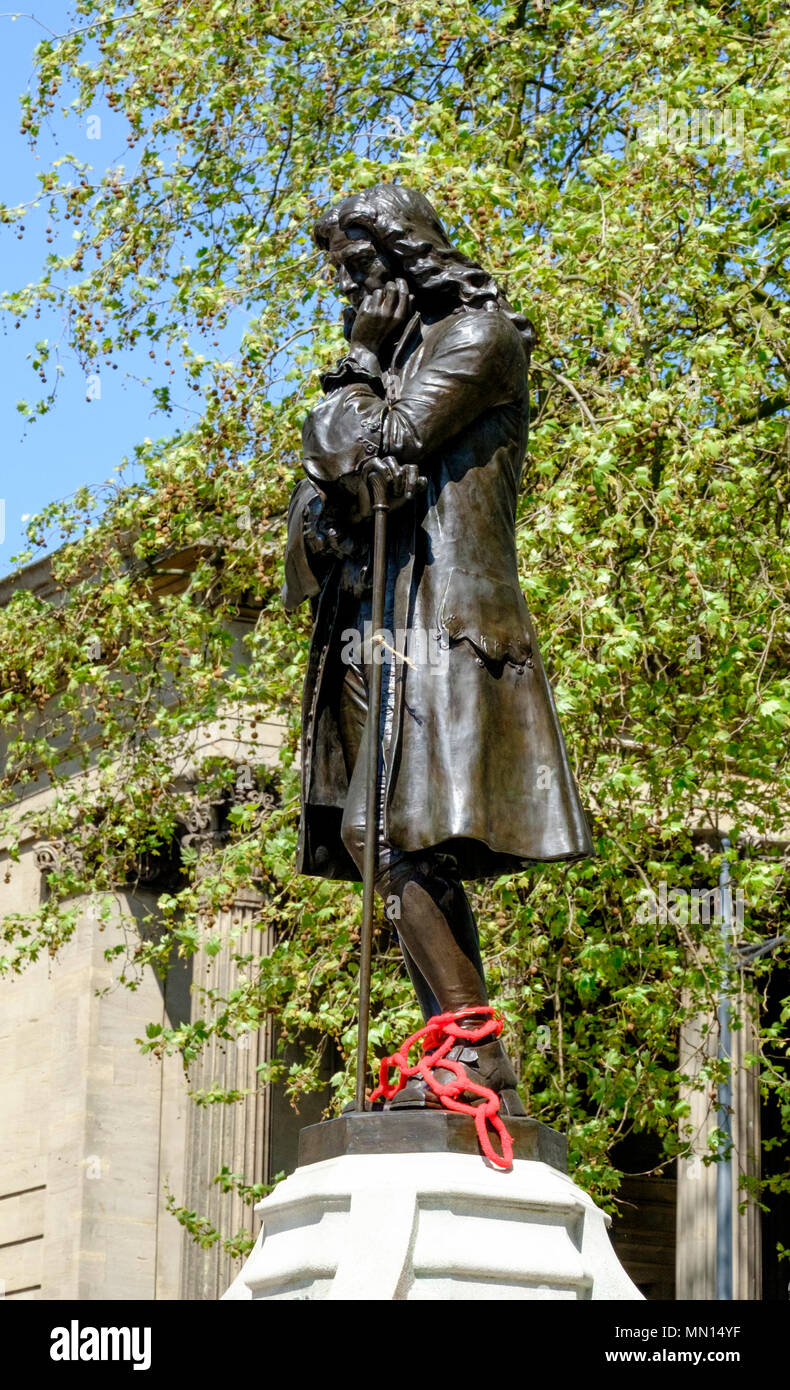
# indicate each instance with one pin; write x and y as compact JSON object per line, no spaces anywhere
{"x":560,"y":143}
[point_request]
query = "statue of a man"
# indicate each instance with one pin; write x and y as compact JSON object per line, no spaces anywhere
{"x":474,"y":775}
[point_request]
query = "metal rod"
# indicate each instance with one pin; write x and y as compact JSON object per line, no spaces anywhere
{"x":723,"y":1119}
{"x":378,"y":488}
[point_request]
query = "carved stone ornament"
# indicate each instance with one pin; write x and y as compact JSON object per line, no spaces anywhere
{"x":202,"y":824}
{"x":206,"y":821}
{"x":53,"y":856}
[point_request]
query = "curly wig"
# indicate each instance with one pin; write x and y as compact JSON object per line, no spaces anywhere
{"x":402,"y":223}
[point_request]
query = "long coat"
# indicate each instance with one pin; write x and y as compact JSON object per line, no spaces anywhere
{"x":476,"y":765}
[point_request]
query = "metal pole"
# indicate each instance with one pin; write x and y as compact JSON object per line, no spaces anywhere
{"x":724,"y":1166}
{"x":378,"y":489}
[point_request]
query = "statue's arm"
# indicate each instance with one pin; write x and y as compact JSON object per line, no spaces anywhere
{"x":359,"y":365}
{"x":305,"y":568}
{"x":318,"y":536}
{"x":476,"y":364}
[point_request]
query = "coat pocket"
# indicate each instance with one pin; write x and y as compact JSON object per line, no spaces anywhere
{"x":490,"y":615}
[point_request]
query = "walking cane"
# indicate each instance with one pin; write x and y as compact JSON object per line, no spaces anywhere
{"x":377,"y":482}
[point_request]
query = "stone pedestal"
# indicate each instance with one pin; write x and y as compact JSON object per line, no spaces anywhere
{"x":403,"y":1207}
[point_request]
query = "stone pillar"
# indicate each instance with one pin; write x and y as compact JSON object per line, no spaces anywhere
{"x":746,"y":1136}
{"x":234,"y":1135}
{"x":696,"y":1204}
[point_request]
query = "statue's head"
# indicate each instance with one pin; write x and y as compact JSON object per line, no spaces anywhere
{"x":389,"y":231}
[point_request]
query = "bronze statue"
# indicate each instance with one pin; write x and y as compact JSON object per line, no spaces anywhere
{"x":473,"y":774}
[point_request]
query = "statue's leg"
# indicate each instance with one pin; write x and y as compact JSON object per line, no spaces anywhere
{"x":429,"y":1004}
{"x":437,"y":927}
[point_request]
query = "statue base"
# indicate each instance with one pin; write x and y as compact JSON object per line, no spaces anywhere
{"x":402,"y":1206}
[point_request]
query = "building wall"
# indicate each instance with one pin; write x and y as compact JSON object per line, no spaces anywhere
{"x":90,"y":1127}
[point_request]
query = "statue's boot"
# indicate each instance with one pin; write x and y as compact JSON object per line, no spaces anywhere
{"x":486,"y":1063}
{"x":438,"y":930}
{"x":429,"y":1005}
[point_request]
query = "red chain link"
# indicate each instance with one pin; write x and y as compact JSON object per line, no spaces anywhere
{"x":439,"y":1035}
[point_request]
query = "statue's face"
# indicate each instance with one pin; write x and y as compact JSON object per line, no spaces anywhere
{"x":361,"y":267}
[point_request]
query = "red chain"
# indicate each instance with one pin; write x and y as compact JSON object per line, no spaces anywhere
{"x":439,"y":1035}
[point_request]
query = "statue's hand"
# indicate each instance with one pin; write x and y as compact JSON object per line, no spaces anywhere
{"x":380,"y":314}
{"x":324,"y":531}
{"x":401,"y":482}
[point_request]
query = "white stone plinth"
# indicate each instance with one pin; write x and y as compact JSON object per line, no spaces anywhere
{"x":442,"y":1226}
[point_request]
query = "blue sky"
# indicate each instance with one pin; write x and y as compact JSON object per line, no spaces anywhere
{"x":79,"y":441}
